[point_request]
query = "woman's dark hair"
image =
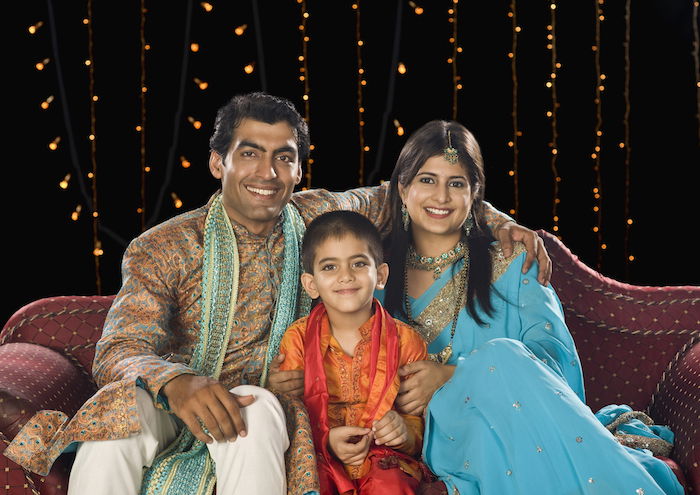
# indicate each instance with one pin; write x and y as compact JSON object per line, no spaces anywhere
{"x":429,"y":141}
{"x":264,"y":108}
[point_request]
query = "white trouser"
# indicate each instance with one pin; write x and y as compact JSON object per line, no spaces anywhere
{"x":253,"y":464}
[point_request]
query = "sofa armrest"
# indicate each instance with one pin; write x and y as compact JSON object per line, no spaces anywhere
{"x":33,"y":378}
{"x":677,"y":405}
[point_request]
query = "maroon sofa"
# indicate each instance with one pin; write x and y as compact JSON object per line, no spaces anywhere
{"x":639,"y":346}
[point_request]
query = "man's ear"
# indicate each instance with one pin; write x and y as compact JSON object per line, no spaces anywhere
{"x":299,"y":173}
{"x":216,"y":165}
{"x":382,"y":275}
{"x":307,"y":281}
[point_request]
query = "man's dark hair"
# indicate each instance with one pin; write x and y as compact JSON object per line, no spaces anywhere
{"x":338,"y":224}
{"x":261,"y":107}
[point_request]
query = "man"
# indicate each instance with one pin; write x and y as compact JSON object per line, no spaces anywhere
{"x":191,"y":336}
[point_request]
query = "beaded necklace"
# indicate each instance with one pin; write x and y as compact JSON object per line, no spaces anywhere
{"x":435,"y":263}
{"x":462,"y":279}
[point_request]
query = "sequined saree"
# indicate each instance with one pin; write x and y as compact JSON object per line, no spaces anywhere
{"x":512,"y":418}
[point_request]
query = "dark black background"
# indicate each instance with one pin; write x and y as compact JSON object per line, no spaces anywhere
{"x":45,"y":253}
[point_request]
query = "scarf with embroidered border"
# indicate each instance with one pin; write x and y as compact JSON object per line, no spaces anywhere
{"x":185,"y":465}
{"x":384,"y":383}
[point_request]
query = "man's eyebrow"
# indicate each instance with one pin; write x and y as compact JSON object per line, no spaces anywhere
{"x":250,"y":144}
{"x":244,"y":143}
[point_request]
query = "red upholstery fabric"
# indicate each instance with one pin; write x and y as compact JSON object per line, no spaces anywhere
{"x":639,"y":346}
{"x":677,"y":404}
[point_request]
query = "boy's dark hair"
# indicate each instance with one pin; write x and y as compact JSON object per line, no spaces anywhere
{"x":337,"y":224}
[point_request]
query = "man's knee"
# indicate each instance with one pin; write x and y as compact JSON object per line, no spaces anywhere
{"x":265,"y":416}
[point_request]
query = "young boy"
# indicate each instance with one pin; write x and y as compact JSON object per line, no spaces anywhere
{"x":350,"y":349}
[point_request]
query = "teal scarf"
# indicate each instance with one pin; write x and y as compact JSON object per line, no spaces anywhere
{"x":185,"y":467}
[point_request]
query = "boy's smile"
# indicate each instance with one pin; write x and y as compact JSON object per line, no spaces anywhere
{"x":345,"y":276}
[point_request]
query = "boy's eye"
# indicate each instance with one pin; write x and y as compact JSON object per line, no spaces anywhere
{"x":248,"y":154}
{"x":359,"y":264}
{"x":457,"y":183}
{"x":326,"y":268}
{"x":284,"y":158}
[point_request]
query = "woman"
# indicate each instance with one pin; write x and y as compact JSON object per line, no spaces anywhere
{"x":504,"y":392}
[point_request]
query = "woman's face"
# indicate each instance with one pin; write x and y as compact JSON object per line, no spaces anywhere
{"x":438,"y":198}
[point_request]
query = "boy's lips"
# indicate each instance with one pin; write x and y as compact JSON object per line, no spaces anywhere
{"x":346,"y":292}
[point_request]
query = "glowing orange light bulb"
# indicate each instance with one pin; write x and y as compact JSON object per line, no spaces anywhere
{"x":207,"y":6}
{"x":35,"y":27}
{"x":177,"y":202}
{"x":201,"y":84}
{"x":402,"y":68}
{"x":64,"y":183}
{"x":248,"y":69}
{"x":184,"y":162}
{"x":53,"y":145}
{"x":45,"y":104}
{"x":41,"y":65}
{"x":240,"y":29}
{"x":76,"y":213}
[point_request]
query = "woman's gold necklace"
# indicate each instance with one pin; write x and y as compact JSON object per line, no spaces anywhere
{"x":435,"y":264}
{"x":462,"y":279}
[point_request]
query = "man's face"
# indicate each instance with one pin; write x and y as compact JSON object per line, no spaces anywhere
{"x":258,"y":173}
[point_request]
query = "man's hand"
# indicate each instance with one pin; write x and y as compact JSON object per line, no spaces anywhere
{"x":350,"y":444}
{"x":285,"y":382}
{"x":424,"y":378}
{"x":200,"y":400}
{"x":511,"y":231}
{"x":390,"y":430}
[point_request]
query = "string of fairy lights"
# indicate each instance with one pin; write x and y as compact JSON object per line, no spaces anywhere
{"x":143,"y":47}
{"x":249,"y":68}
{"x":513,"y":142}
{"x":361,"y":83}
{"x":552,"y":113}
{"x":304,"y":78}
{"x":625,"y":144}
{"x":598,"y":133}
{"x":456,"y":84}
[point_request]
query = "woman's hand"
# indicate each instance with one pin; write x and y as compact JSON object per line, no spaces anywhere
{"x":423,"y":379}
{"x":350,"y":444}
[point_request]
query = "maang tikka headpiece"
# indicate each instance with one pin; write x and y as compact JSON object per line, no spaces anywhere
{"x":451,"y":154}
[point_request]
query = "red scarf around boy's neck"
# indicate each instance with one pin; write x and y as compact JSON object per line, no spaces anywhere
{"x":383,"y":388}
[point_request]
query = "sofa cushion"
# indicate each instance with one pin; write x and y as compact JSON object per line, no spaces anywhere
{"x":33,"y":378}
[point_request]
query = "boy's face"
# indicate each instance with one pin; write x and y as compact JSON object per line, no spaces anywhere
{"x":345,"y":275}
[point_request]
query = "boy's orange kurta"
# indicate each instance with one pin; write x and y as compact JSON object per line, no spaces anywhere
{"x":354,"y":390}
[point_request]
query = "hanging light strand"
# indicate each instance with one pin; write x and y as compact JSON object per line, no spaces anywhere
{"x":361,"y":82}
{"x":97,"y":244}
{"x":304,"y":77}
{"x":696,"y":59}
{"x":552,"y":114}
{"x":456,"y":86}
{"x":512,"y":13}
{"x":599,"y":87}
{"x":142,"y":133}
{"x":626,"y":143}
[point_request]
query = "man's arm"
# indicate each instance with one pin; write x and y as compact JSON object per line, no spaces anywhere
{"x":372,"y":202}
{"x":136,"y":335}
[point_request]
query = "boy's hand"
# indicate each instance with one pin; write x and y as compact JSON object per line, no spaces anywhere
{"x":289,"y":382}
{"x":350,"y":444}
{"x":390,"y":430}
